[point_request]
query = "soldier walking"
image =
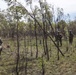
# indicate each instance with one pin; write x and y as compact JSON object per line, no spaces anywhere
{"x":58,"y":38}
{"x":0,"y":45}
{"x":71,"y":37}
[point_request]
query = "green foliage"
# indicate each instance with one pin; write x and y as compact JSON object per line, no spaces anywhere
{"x":72,"y":26}
{"x":62,"y":24}
{"x":60,"y":14}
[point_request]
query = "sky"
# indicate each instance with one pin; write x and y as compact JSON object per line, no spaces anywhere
{"x":67,"y":5}
{"x":2,"y":5}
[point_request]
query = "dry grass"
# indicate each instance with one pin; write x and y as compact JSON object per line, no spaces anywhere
{"x":65,"y":66}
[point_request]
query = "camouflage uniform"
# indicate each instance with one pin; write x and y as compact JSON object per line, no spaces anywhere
{"x":58,"y":38}
{"x":0,"y":46}
{"x":70,"y":37}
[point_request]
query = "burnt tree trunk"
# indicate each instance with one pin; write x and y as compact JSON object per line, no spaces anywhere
{"x":43,"y":66}
{"x":36,"y":39}
{"x":31,"y":39}
{"x":17,"y":60}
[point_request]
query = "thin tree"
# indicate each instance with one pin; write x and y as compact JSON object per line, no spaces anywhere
{"x":43,"y":66}
{"x":36,"y":38}
{"x":25,"y":51}
{"x":30,"y":38}
{"x":17,"y":62}
{"x":18,"y":55}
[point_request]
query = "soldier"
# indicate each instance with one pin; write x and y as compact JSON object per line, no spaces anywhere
{"x":0,"y":45}
{"x":58,"y":38}
{"x":70,"y":37}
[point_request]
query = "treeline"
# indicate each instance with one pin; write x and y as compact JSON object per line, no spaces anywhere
{"x":45,"y":13}
{"x":8,"y":28}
